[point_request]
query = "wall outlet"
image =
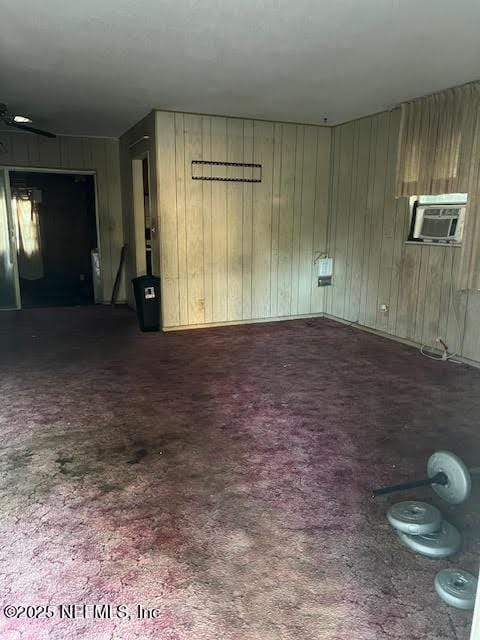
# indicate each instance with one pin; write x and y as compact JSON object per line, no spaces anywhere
{"x":384,"y":308}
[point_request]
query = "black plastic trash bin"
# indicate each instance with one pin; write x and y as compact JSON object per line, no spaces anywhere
{"x":146,"y":290}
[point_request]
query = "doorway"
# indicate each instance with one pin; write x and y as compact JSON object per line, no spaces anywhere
{"x":54,"y":220}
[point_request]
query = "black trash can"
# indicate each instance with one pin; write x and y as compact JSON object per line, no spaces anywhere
{"x":146,"y":290}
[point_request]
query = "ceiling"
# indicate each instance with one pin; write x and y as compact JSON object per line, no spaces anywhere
{"x":95,"y":67}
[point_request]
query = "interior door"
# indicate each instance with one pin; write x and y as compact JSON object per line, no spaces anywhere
{"x":9,"y":290}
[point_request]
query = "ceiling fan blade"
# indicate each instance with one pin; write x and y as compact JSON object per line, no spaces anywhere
{"x":24,"y":127}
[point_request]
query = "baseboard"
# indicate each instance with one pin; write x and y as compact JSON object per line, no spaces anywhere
{"x":391,"y":336}
{"x":228,"y":323}
{"x":356,"y":325}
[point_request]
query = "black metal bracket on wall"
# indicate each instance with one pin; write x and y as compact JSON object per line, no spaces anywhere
{"x":253,"y":167}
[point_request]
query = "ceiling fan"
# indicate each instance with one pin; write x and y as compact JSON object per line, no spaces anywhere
{"x":21,"y":122}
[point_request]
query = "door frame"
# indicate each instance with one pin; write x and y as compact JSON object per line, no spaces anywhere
{"x":23,"y":169}
{"x":476,"y":616}
{"x":138,"y":209}
{"x":13,"y":238}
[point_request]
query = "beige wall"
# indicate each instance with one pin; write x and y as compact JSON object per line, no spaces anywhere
{"x":100,"y":155}
{"x":240,"y":251}
{"x":372,"y":263}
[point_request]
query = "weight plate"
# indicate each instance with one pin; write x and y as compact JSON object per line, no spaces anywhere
{"x":456,"y":587}
{"x":415,"y":518}
{"x":459,"y":483}
{"x":441,"y":544}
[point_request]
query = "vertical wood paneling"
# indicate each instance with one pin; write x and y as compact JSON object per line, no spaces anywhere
{"x":333,"y":209}
{"x":372,"y":263}
{"x":49,"y":151}
{"x":167,"y":206}
{"x":114,"y":202}
{"x":322,"y":185}
{"x":457,"y":310}
{"x":219,"y":225}
{"x":234,"y":224}
{"x":262,"y":220}
{"x":432,"y":297}
{"x":90,"y":154}
{"x":471,"y":342}
{"x":194,"y":223}
{"x":87,"y":153}
{"x":340,"y":238}
{"x":181,"y":211}
{"x":387,"y":242}
{"x":34,"y":151}
{"x":377,"y":213}
{"x":20,"y":150}
{"x":207,"y":221}
{"x":297,"y":218}
{"x":247,"y":223}
{"x":407,"y":301}
{"x":400,"y":233}
{"x":372,"y":144}
{"x":245,"y":249}
{"x":72,"y":152}
{"x":277,"y":176}
{"x":285,"y":221}
{"x":307,"y":221}
{"x":98,"y":158}
{"x":352,"y":215}
{"x":445,"y":293}
{"x":348,"y":219}
{"x":358,"y":207}
{"x":420,"y":293}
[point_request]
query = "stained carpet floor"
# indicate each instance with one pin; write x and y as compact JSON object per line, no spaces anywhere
{"x":223,"y":477}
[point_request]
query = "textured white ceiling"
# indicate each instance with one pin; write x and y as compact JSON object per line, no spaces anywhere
{"x":94,"y":67}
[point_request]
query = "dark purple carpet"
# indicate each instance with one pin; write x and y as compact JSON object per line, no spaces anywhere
{"x":222,"y":476}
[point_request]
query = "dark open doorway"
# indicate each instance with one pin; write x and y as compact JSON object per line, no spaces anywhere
{"x":54,"y":215}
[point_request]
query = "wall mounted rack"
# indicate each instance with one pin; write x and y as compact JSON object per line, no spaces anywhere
{"x":232,"y":171}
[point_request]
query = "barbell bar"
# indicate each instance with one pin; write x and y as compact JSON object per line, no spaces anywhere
{"x":439,"y":478}
{"x":447,"y":474}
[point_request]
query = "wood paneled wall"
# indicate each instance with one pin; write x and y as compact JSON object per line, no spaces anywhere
{"x":372,"y":263}
{"x":233,"y":251}
{"x":100,"y":155}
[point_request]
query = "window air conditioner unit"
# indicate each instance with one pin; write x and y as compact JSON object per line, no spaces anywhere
{"x":442,"y":223}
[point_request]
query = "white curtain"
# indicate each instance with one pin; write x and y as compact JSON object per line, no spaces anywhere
{"x":30,"y":262}
{"x":439,"y":152}
{"x":6,"y":268}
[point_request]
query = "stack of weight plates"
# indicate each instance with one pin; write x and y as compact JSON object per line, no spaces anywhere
{"x":420,"y":527}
